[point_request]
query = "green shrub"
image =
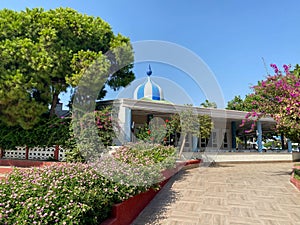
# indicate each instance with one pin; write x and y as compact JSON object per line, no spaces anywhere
{"x":297,"y":174}
{"x":81,"y":193}
{"x":48,"y":132}
{"x":60,"y":194}
{"x":143,"y":154}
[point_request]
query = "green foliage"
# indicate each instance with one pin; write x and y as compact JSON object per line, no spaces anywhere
{"x":188,"y":122}
{"x":60,"y":194}
{"x":144,"y":154}
{"x":59,"y":131}
{"x":155,"y":132}
{"x":243,"y":104}
{"x":273,"y":144}
{"x":297,"y":174}
{"x":44,"y":52}
{"x":90,"y":135}
{"x":48,"y":132}
{"x":77,"y":193}
{"x":208,"y":104}
{"x":143,"y":133}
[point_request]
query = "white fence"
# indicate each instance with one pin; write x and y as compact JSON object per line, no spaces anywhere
{"x":36,"y":153}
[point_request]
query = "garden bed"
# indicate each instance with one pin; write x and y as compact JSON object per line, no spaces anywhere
{"x":293,"y":179}
{"x":125,"y":212}
{"x":91,"y":196}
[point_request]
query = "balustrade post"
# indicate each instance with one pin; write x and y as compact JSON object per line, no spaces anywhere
{"x":26,"y":152}
{"x":56,"y":152}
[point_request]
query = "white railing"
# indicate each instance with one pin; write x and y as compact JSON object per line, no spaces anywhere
{"x":40,"y":153}
{"x":36,"y":153}
{"x":18,"y":153}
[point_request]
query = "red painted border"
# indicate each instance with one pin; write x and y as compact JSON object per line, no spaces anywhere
{"x":124,"y":213}
{"x":295,"y":181}
{"x":193,"y":161}
{"x":24,"y":163}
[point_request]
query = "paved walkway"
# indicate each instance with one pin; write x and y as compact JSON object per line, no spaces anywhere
{"x":228,"y":194}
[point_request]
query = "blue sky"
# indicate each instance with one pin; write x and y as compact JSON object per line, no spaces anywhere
{"x":230,"y":36}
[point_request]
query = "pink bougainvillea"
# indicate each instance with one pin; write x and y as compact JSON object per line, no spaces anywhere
{"x":279,"y":97}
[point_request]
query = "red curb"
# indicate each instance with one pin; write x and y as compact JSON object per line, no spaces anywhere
{"x":126,"y":212}
{"x":193,"y":161}
{"x":295,"y":182}
{"x":123,"y":213}
{"x":24,"y":163}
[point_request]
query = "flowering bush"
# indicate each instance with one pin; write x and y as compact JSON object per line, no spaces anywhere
{"x":145,"y":154}
{"x":154,"y":133}
{"x":279,"y":97}
{"x":138,"y":164}
{"x":60,"y":194}
{"x":78,"y":193}
{"x":90,"y":134}
{"x":128,"y":175}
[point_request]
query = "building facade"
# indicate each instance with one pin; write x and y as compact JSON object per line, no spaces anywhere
{"x":227,"y":133}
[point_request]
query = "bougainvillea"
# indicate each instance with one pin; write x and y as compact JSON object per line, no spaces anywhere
{"x":279,"y":97}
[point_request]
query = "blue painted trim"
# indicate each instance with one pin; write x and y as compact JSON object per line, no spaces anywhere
{"x":140,"y":93}
{"x":289,"y":146}
{"x":259,"y":136}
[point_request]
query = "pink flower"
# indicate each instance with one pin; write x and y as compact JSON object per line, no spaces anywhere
{"x":286,"y":69}
{"x":275,"y":68}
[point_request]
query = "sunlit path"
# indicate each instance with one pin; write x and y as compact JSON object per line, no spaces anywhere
{"x":228,"y":194}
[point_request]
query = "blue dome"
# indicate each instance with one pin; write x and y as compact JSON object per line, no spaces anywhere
{"x":149,"y":89}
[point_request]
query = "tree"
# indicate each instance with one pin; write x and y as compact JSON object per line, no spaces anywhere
{"x":208,"y":104}
{"x":188,"y":122}
{"x":242,"y":104}
{"x":279,"y":97}
{"x":44,"y":52}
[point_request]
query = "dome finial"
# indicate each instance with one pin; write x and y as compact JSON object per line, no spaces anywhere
{"x":149,"y":71}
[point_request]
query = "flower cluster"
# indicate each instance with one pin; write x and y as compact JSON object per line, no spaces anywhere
{"x":155,"y":132}
{"x":58,"y":194}
{"x":81,"y":193}
{"x":279,"y":97}
{"x":145,"y":154}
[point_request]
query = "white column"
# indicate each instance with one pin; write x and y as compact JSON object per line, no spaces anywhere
{"x":124,"y":124}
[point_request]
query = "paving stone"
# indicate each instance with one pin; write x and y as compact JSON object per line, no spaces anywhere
{"x":227,"y":194}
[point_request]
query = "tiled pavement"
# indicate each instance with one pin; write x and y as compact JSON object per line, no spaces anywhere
{"x":227,"y":194}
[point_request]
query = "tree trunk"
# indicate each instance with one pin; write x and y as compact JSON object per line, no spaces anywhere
{"x":182,"y":146}
{"x":282,"y":141}
{"x":53,"y":104}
